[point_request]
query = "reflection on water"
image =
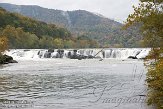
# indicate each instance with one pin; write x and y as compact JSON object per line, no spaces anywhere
{"x":49,"y":85}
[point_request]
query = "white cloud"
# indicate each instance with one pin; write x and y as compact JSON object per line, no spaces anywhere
{"x":115,"y":9}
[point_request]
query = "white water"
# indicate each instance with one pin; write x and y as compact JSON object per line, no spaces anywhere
{"x":112,"y":53}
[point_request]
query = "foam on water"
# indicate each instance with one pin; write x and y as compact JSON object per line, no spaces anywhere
{"x":113,"y":53}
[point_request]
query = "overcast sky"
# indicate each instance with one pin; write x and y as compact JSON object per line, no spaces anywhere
{"x":114,"y":9}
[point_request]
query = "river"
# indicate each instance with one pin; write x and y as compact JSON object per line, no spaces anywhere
{"x":52,"y":83}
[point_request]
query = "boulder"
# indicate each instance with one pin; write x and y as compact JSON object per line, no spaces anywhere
{"x":73,"y":55}
{"x":69,"y":55}
{"x":5,"y":59}
{"x":61,"y":53}
{"x":51,"y":50}
{"x":47,"y":55}
{"x":75,"y":52}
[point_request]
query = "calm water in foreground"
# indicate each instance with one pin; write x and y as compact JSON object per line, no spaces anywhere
{"x":73,"y":84}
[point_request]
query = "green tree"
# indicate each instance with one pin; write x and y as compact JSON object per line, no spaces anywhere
{"x":69,"y":44}
{"x":46,"y":42}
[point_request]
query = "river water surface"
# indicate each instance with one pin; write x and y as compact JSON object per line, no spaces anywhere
{"x":73,"y":84}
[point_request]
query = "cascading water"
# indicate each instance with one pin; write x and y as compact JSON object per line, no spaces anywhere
{"x":112,"y":53}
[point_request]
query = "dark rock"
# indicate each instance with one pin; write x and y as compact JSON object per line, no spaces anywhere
{"x":80,"y":57}
{"x":69,"y":54}
{"x":132,"y":57}
{"x":90,"y":57}
{"x":38,"y":53}
{"x":26,"y":50}
{"x":47,"y":55}
{"x":103,"y":54}
{"x":142,"y":95}
{"x":51,"y":50}
{"x":61,"y":53}
{"x":13,"y":61}
{"x":75,"y":50}
{"x":83,"y":57}
{"x":74,"y":57}
{"x":5,"y":59}
{"x":58,"y":55}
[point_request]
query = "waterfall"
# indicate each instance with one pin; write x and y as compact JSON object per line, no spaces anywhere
{"x":108,"y":53}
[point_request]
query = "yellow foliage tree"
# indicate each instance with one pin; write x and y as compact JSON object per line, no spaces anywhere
{"x":3,"y":44}
{"x":149,"y":14}
{"x":58,"y":43}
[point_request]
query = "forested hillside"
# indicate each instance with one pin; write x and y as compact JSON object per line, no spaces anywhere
{"x":83,"y":23}
{"x":24,"y":32}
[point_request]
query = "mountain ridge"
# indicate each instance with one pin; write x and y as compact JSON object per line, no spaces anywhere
{"x":80,"y":22}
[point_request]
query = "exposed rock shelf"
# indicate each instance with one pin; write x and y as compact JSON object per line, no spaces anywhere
{"x":5,"y":59}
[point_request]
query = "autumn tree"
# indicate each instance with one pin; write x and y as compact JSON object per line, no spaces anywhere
{"x":3,"y":44}
{"x":17,"y":38}
{"x":3,"y":47}
{"x":149,"y":14}
{"x":58,"y":43}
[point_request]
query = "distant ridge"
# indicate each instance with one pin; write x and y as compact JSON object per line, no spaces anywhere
{"x":80,"y":22}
